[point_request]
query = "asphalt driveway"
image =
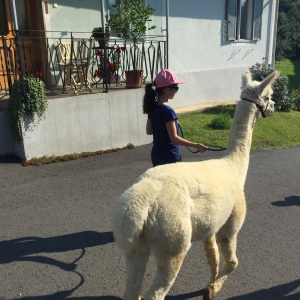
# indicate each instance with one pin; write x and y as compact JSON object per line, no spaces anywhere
{"x":56,"y":240}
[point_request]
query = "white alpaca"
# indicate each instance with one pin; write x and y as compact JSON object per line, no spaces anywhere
{"x":172,"y":205}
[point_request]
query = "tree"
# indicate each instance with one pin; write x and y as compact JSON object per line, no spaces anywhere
{"x":288,"y":30}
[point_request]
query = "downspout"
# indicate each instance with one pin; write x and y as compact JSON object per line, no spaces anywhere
{"x":166,"y":66}
{"x":16,"y":29}
{"x":167,"y":31}
{"x":20,"y":148}
{"x":14,"y":14}
{"x":105,"y":50}
{"x":275,"y":31}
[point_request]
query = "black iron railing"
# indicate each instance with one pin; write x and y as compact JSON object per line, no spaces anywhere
{"x":79,"y":63}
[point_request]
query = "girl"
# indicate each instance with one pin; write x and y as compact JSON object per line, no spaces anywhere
{"x":162,"y":120}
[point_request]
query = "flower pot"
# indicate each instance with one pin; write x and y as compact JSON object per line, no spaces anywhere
{"x":102,"y":42}
{"x":134,"y":79}
{"x":112,"y":78}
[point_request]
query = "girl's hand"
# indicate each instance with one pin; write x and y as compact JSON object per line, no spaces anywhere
{"x":201,"y":148}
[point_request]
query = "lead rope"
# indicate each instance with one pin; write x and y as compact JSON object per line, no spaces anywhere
{"x":181,"y":133}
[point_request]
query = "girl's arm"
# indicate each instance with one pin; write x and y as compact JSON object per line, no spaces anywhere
{"x":149,"y":129}
{"x":176,"y":139}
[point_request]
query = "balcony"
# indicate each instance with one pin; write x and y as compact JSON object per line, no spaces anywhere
{"x":75,"y":64}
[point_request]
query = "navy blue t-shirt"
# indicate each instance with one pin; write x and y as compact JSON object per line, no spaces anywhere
{"x":162,"y":145}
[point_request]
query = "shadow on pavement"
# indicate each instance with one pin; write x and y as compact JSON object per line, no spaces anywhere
{"x":21,"y":249}
{"x":9,"y":159}
{"x":65,"y":294}
{"x":62,"y":295}
{"x":186,"y":296}
{"x":289,"y":201}
{"x":278,"y":292}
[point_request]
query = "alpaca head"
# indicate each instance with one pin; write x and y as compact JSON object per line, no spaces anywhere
{"x":259,"y":92}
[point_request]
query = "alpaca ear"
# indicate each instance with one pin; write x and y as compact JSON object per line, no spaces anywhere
{"x":268,"y":81}
{"x":247,"y":78}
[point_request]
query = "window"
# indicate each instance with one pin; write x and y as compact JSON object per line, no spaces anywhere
{"x":110,"y":3}
{"x":3,"y":23}
{"x":244,"y":19}
{"x":22,"y":18}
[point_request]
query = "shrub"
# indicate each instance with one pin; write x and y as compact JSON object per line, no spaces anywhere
{"x":295,"y":98}
{"x":33,"y":103}
{"x":222,"y":121}
{"x":260,"y":71}
{"x":281,"y":95}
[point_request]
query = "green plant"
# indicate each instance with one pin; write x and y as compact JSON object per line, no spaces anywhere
{"x":222,"y":121}
{"x":113,"y":63}
{"x":295,"y":98}
{"x":130,"y":19}
{"x":97,"y":33}
{"x":260,"y":71}
{"x":291,"y":69}
{"x":288,"y":38}
{"x":32,"y":104}
{"x":276,"y":131}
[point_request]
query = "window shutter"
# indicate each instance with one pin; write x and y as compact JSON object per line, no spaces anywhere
{"x":257,"y":19}
{"x":231,"y":19}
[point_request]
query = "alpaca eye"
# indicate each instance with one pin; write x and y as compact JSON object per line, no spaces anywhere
{"x":268,"y":98}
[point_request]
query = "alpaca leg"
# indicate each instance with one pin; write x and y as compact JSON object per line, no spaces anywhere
{"x":228,"y":250}
{"x":213,"y":256}
{"x":136,"y":267}
{"x":168,"y":267}
{"x":227,"y":238}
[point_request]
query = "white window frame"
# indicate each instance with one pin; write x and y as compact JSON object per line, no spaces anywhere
{"x":233,"y":18}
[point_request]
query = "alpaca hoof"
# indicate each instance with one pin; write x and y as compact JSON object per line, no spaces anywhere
{"x":208,"y":293}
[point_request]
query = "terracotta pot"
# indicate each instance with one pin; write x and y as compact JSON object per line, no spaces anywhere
{"x":134,"y":79}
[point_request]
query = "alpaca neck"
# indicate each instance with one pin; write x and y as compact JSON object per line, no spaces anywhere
{"x":240,"y":137}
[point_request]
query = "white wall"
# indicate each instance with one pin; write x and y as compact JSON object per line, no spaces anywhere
{"x":199,"y":54}
{"x":196,"y":41}
{"x":72,"y":16}
{"x":88,"y":123}
{"x":216,"y":85}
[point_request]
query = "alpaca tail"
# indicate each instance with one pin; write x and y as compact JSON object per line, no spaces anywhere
{"x":129,"y":220}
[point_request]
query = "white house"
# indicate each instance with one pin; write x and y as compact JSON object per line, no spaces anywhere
{"x":207,"y":42}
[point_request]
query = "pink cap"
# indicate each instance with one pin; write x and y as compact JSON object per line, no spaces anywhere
{"x":165,"y":78}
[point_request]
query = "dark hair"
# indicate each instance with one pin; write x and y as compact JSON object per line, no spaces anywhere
{"x":150,"y":98}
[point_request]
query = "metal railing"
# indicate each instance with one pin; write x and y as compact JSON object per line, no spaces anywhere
{"x":79,"y":62}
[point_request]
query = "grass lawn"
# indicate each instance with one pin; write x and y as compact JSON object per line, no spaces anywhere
{"x":291,"y":69}
{"x":280,"y":130}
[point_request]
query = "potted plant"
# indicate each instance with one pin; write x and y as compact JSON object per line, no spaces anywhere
{"x":113,"y":65}
{"x":27,"y":99}
{"x":129,"y":21}
{"x":101,"y":36}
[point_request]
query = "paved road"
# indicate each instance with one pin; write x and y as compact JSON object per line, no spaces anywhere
{"x":56,"y":240}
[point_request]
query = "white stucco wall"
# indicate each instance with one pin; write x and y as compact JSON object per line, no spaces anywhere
{"x":76,"y":16}
{"x":199,"y":54}
{"x":88,"y":123}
